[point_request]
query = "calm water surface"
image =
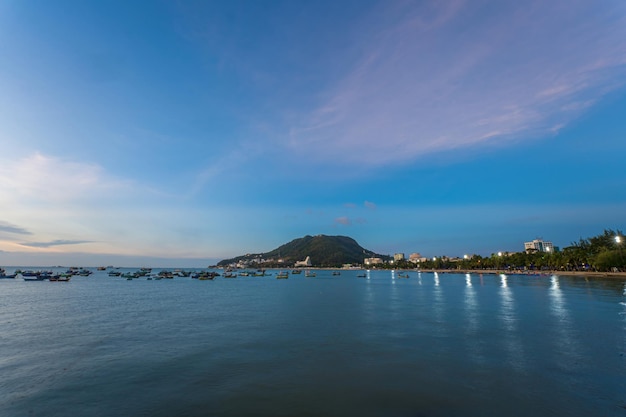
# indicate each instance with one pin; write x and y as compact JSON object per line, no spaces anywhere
{"x":430,"y":345}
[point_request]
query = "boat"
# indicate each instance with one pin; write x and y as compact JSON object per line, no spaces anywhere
{"x":206,"y":277}
{"x":60,"y":278}
{"x":296,"y":271}
{"x":403,"y":275}
{"x":310,"y":274}
{"x":32,"y":276}
{"x":335,"y":273}
{"x":229,"y":275}
{"x":361,"y":276}
{"x":4,"y":275}
{"x":282,"y":275}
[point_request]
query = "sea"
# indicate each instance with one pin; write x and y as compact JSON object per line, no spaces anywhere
{"x":330,"y":345}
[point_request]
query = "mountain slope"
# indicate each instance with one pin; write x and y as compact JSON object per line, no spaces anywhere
{"x":325,"y":251}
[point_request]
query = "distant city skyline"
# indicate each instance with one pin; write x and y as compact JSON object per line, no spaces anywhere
{"x":180,"y":134}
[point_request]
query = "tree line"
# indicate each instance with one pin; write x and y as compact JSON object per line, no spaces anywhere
{"x":603,"y":253}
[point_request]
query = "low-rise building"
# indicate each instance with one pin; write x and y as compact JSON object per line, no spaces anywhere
{"x":373,"y":261}
{"x":416,"y":258}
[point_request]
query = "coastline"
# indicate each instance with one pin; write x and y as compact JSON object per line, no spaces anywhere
{"x":591,"y":274}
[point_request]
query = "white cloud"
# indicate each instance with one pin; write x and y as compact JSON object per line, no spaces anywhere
{"x":46,"y":179}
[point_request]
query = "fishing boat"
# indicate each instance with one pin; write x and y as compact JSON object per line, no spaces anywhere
{"x":403,"y":275}
{"x":206,"y":277}
{"x":282,"y":275}
{"x":4,"y":275}
{"x":310,"y":274}
{"x":335,"y":273}
{"x":60,"y":278}
{"x":296,"y":271}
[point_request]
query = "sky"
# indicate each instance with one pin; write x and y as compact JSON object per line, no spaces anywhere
{"x":180,"y":133}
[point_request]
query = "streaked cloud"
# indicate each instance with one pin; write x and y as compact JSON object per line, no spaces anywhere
{"x":10,"y":228}
{"x":58,"y":242}
{"x":456,"y":74}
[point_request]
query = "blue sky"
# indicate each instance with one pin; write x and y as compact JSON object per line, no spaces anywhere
{"x":182,"y":133}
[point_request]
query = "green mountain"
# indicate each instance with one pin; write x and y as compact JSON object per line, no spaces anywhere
{"x":325,"y":251}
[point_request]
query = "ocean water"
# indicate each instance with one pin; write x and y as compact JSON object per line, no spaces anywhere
{"x":429,"y":345}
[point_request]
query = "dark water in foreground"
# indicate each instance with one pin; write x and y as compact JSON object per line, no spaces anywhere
{"x":447,"y":345}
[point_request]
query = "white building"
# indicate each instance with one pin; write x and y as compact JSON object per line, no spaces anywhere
{"x":539,"y":245}
{"x":305,"y":263}
{"x":398,"y":257}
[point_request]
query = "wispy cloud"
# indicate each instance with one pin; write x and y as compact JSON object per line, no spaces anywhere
{"x":59,"y":242}
{"x":10,"y":228}
{"x":344,"y":220}
{"x":370,"y":205}
{"x":447,"y":75}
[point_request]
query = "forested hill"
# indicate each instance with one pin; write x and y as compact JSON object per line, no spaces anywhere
{"x":325,"y":251}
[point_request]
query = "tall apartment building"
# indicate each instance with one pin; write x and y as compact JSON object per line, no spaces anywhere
{"x":539,"y":245}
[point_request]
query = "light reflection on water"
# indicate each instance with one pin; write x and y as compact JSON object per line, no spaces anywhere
{"x":509,"y":319}
{"x":446,"y":345}
{"x":472,"y":334}
{"x":567,"y":345}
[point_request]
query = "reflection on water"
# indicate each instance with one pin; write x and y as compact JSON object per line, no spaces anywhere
{"x":438,"y":305}
{"x":509,"y":318}
{"x":450,"y":345}
{"x":567,"y":346}
{"x":623,"y":313}
{"x":472,"y":329}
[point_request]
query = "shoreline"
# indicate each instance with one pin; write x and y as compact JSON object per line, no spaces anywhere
{"x":591,"y":274}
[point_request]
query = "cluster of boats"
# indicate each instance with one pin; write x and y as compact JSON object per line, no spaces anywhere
{"x":165,"y":274}
{"x":30,"y":275}
{"x":39,"y":275}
